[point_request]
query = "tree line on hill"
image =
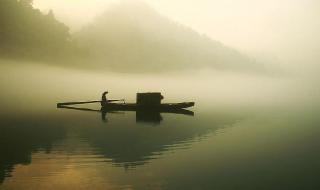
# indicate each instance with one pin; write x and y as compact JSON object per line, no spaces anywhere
{"x":27,"y":33}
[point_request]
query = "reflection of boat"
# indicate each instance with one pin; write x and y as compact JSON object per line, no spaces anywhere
{"x":137,"y":107}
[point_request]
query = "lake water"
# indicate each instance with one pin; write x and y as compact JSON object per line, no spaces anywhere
{"x":248,"y":131}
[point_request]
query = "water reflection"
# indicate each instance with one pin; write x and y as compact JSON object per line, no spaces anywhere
{"x":119,"y":140}
{"x":20,"y":137}
{"x":130,"y":144}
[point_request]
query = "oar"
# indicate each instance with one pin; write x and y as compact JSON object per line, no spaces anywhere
{"x":86,"y":102}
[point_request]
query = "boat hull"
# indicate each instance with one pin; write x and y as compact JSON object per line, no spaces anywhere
{"x":136,"y":107}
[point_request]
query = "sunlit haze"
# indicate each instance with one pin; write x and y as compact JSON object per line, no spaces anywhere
{"x":159,"y":94}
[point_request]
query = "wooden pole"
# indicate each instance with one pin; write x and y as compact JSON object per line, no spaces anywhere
{"x":77,"y":103}
{"x":86,"y":102}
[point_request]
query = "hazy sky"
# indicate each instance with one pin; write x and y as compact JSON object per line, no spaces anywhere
{"x":271,"y":27}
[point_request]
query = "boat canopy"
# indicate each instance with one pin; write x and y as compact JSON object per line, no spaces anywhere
{"x":149,"y":98}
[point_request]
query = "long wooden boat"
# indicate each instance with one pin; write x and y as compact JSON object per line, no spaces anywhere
{"x":141,"y":111}
{"x":136,"y":107}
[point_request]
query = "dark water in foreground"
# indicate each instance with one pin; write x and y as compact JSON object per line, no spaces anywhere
{"x":223,"y":146}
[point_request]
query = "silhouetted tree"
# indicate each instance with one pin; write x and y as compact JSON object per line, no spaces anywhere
{"x":27,"y":3}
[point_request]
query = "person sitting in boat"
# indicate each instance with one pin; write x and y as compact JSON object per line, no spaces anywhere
{"x":104,"y":99}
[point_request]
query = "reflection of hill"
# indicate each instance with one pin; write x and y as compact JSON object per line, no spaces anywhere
{"x":20,"y":137}
{"x":130,"y":144}
{"x":133,"y":37}
{"x":120,"y":139}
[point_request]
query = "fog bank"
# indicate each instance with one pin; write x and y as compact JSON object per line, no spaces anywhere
{"x":285,"y":32}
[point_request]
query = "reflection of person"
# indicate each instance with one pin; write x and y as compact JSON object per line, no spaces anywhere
{"x":104,"y":99}
{"x":104,"y":116}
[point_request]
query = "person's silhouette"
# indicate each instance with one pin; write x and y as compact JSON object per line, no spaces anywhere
{"x":104,"y":99}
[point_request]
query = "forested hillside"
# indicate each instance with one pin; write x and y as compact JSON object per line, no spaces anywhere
{"x":25,"y":32}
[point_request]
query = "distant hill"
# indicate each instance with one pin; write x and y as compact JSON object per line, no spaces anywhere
{"x":134,"y":37}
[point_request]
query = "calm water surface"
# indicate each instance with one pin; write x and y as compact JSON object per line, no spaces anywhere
{"x":243,"y":135}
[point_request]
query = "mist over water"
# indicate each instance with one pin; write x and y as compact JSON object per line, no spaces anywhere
{"x":253,"y":128}
{"x":41,"y":84}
